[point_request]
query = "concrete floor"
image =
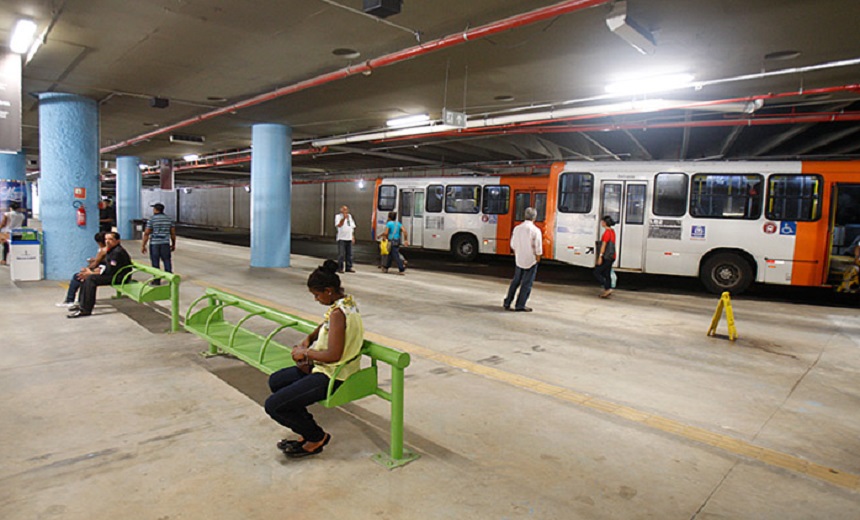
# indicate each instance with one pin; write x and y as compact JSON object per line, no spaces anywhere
{"x":586,"y":408}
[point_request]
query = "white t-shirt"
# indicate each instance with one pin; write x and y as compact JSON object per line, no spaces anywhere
{"x":527,"y":243}
{"x":346,"y":231}
{"x":13,"y":220}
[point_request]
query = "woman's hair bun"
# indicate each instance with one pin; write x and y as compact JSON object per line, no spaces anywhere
{"x":329,"y":266}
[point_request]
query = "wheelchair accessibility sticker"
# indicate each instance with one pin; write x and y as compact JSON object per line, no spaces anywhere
{"x":788,"y":228}
{"x":697,"y":233}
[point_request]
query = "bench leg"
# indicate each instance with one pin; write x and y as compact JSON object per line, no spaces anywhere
{"x":174,"y":307}
{"x":397,"y":456}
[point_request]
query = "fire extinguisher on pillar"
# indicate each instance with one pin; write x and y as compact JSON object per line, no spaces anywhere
{"x":80,"y":213}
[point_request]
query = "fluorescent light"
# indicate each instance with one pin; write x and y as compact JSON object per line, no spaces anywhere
{"x":361,"y":184}
{"x":22,"y":36}
{"x":190,"y":157}
{"x":651,"y":84}
{"x":142,"y":166}
{"x":413,"y":120}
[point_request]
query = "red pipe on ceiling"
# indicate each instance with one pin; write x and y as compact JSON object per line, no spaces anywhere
{"x":483,"y":31}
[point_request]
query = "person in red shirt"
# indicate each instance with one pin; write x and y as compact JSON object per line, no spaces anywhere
{"x":606,"y":256}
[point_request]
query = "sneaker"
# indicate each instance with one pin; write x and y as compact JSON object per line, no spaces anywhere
{"x":77,"y":314}
{"x":401,"y":273}
{"x":524,"y":309}
{"x":65,"y":304}
{"x":350,"y":270}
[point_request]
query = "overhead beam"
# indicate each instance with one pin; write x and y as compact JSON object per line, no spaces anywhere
{"x":826,"y":139}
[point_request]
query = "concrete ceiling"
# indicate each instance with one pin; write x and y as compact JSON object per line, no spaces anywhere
{"x":205,"y":55}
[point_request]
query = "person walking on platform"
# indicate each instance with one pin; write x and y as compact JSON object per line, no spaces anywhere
{"x":116,"y":260}
{"x":10,"y":220}
{"x":396,"y":236}
{"x":606,"y":256}
{"x":161,"y":235}
{"x":527,"y":245}
{"x":335,"y":343}
{"x":345,"y":225}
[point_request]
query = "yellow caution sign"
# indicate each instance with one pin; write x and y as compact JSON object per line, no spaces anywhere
{"x":725,"y":303}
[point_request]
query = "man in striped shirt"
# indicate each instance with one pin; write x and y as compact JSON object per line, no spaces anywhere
{"x":161,"y":235}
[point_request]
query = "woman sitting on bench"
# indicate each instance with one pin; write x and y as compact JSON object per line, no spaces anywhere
{"x":337,"y":341}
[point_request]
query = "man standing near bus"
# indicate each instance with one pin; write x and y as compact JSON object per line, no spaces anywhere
{"x":345,"y":225}
{"x":527,"y":244}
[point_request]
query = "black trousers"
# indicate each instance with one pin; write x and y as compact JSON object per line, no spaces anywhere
{"x":603,"y":273}
{"x":88,"y":291}
{"x":292,"y":392}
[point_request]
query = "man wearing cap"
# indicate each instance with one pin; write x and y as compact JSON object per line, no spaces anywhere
{"x":161,"y":235}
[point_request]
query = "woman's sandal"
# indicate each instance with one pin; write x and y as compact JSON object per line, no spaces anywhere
{"x":285,"y":444}
{"x":299,"y":451}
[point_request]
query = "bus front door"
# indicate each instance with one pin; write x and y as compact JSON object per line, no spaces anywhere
{"x":412,"y":215}
{"x":624,"y":201}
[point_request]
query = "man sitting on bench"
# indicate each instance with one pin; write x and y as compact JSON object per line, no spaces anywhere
{"x":116,"y":260}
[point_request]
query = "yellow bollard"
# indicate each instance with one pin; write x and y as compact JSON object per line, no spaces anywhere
{"x":724,"y":303}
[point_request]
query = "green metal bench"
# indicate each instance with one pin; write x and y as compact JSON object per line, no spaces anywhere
{"x":267,"y":355}
{"x":142,"y":291}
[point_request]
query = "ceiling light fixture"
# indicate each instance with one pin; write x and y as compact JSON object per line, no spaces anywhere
{"x":628,"y":30}
{"x":190,"y":157}
{"x":662,"y":83}
{"x":22,"y":36}
{"x":345,"y":53}
{"x":782,"y":55}
{"x":412,"y":120}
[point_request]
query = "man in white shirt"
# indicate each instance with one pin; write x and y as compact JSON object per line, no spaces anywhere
{"x":527,"y":245}
{"x":345,"y":226}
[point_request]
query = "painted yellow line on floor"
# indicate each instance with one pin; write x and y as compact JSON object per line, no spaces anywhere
{"x":693,"y":433}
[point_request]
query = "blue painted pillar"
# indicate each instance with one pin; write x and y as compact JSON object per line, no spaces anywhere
{"x":69,"y":158}
{"x":128,"y":187}
{"x":271,"y":186}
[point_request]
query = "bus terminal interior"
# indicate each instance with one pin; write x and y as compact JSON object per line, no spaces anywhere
{"x":716,"y":122}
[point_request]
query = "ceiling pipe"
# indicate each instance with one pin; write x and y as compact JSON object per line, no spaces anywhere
{"x":483,"y":31}
{"x":491,"y":126}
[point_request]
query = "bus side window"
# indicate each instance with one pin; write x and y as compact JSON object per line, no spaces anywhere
{"x":794,"y":197}
{"x":435,"y":197}
{"x":387,"y":198}
{"x":730,"y":196}
{"x":496,"y":200}
{"x":575,"y":192}
{"x":462,"y":199}
{"x":670,"y":194}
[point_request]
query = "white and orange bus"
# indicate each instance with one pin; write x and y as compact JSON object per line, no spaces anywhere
{"x":728,"y":223}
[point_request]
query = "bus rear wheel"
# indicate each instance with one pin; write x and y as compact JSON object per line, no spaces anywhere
{"x":465,"y":248}
{"x":726,"y":272}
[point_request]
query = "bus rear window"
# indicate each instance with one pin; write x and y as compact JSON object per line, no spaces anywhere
{"x":462,"y":199}
{"x":721,"y":195}
{"x":387,"y":198}
{"x":497,"y":200}
{"x":670,"y":194}
{"x":794,"y":197}
{"x":575,"y":192}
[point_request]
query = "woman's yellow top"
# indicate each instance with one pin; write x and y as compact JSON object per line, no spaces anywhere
{"x":353,"y":339}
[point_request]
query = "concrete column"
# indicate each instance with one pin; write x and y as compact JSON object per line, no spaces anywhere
{"x":271,"y":186}
{"x":69,"y":158}
{"x":128,"y":187}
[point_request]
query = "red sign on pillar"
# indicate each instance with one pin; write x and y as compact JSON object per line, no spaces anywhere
{"x":80,"y":193}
